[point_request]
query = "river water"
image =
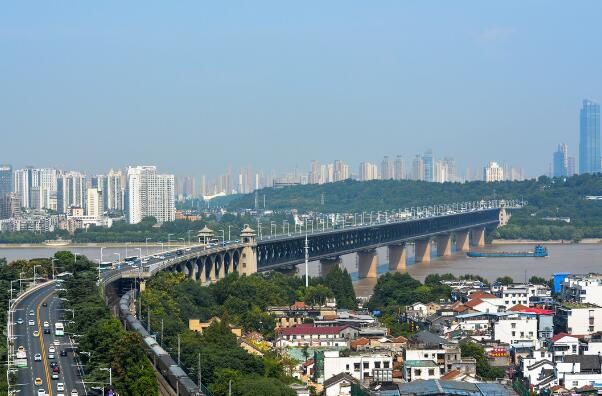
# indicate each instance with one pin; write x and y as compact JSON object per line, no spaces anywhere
{"x":574,"y":258}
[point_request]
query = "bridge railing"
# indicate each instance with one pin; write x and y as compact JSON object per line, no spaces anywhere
{"x":336,"y":221}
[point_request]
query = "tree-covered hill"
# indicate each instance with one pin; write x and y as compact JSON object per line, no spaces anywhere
{"x":559,"y":197}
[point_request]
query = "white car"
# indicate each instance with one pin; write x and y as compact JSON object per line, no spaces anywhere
{"x":31,"y":322}
{"x":74,"y":392}
{"x":37,"y":357}
{"x":41,"y":392}
{"x":46,"y":325}
{"x":51,"y":349}
{"x":56,"y":342}
{"x":60,"y":387}
{"x":51,"y":356}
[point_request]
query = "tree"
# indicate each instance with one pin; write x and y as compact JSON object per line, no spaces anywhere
{"x":504,"y":280}
{"x":339,"y":281}
{"x":538,"y":280}
{"x":317,"y":295}
{"x":484,"y":370}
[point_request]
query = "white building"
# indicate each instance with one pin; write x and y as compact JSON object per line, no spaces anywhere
{"x":368,"y":171}
{"x":580,"y":370}
{"x":515,"y":328}
{"x":578,"y":318}
{"x":583,"y":289}
{"x":149,"y":194}
{"x":515,"y":295}
{"x":358,"y":366}
{"x":113,"y":191}
{"x":94,"y":203}
{"x":421,"y":370}
{"x":493,"y":172}
{"x":71,"y":191}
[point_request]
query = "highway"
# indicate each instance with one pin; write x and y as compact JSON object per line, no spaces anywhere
{"x":24,"y":336}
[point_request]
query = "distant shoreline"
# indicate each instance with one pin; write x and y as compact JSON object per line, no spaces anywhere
{"x":85,"y":245}
{"x":584,"y":241}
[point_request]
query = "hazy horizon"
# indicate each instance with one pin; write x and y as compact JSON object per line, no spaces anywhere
{"x":196,"y":88}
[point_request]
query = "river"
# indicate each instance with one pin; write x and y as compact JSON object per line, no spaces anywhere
{"x":575,"y":258}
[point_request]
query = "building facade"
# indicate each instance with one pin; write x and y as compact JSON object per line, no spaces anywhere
{"x":149,"y":195}
{"x":589,"y":138}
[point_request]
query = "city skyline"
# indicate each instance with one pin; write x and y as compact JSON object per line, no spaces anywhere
{"x":285,"y":85}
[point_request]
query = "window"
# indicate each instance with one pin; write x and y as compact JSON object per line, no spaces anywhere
{"x":385,"y":364}
{"x":366,"y":365}
{"x":431,"y":372}
{"x":530,"y":334}
{"x":347,"y":367}
{"x":376,"y":364}
{"x":356,"y":366}
{"x":575,"y":383}
{"x":591,"y":328}
{"x":513,"y":333}
{"x":417,"y":372}
{"x":426,"y":355}
{"x":514,"y":325}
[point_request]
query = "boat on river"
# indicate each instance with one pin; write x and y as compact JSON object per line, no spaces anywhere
{"x":539,"y":251}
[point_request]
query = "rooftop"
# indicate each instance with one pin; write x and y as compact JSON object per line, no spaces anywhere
{"x":420,"y":363}
{"x":578,"y":305}
{"x":312,"y":330}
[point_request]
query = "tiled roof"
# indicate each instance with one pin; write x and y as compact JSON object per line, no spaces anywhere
{"x":482,"y":295}
{"x":560,"y":335}
{"x":451,"y":375}
{"x":473,"y":303}
{"x":518,"y":308}
{"x":312,"y":330}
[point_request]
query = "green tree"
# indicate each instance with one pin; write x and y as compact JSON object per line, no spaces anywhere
{"x":504,"y":280}
{"x":484,"y":370}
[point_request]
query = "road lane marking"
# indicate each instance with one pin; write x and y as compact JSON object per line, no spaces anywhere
{"x":42,"y":346}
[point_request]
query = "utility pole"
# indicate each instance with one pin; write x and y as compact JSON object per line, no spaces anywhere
{"x":199,"y":375}
{"x":161,"y":332}
{"x":178,"y":349}
{"x":306,"y":261}
{"x":230,"y":388}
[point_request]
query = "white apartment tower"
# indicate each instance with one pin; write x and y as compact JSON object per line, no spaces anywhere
{"x":113,"y":191}
{"x":149,"y":194}
{"x":493,"y":172}
{"x":94,"y":203}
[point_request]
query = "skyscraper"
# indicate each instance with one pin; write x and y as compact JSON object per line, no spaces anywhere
{"x":387,"y":169}
{"x":429,"y":162}
{"x":493,"y":172}
{"x":149,"y":194}
{"x":418,"y":168}
{"x":6,"y":180}
{"x":400,"y":168}
{"x":368,"y":171}
{"x":113,"y":191}
{"x":589,"y":138}
{"x":560,"y":161}
{"x":71,"y":191}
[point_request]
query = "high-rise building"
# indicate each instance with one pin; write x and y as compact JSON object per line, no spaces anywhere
{"x":400,"y":168}
{"x":21,"y":187}
{"x":113,"y":191}
{"x":314,"y":173}
{"x":452,"y":169}
{"x":71,"y":191}
{"x":441,"y":174}
{"x":493,"y":172}
{"x":94,"y":203}
{"x":418,"y":168}
{"x":149,"y":194}
{"x":560,"y":161}
{"x":429,"y":162}
{"x":368,"y":171}
{"x":387,"y":169}
{"x":571,"y":169}
{"x":6,"y":180}
{"x":589,"y":138}
{"x":9,"y":206}
{"x":341,"y":171}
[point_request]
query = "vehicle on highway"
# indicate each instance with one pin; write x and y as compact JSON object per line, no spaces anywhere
{"x":53,"y":364}
{"x":59,"y":329}
{"x":21,"y":352}
{"x":38,"y":381}
{"x":31,"y":322}
{"x":51,"y":356}
{"x":36,"y":333}
{"x":46,"y":331}
{"x":31,"y":312}
{"x":63,"y":352}
{"x":54,"y":376}
{"x":56,"y":369}
{"x":37,"y":357}
{"x":46,"y":324}
{"x":41,"y":392}
{"x":74,"y":392}
{"x":44,"y":304}
{"x":51,"y":349}
{"x":60,"y":387}
{"x":56,"y":342}
{"x":19,"y":321}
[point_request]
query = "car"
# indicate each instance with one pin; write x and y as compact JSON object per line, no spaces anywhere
{"x":41,"y":392}
{"x":36,"y":333}
{"x":53,"y":364}
{"x":56,"y":369}
{"x":31,"y":322}
{"x":63,"y":352}
{"x":37,"y":357}
{"x":55,"y":376}
{"x":60,"y":394}
{"x":31,"y":312}
{"x":51,"y":349}
{"x":56,"y":342}
{"x":46,"y":324}
{"x":51,"y":356}
{"x":60,"y":387}
{"x":44,"y":304}
{"x":74,"y":392}
{"x":38,"y":381}
{"x":20,"y":321}
{"x":46,"y":331}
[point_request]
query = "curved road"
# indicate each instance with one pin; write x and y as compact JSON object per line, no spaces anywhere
{"x":24,"y":335}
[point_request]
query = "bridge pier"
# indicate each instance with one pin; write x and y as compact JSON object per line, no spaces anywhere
{"x":248,"y":256}
{"x":444,"y":245}
{"x":328,"y":264}
{"x":478,"y":236}
{"x":367,"y":263}
{"x":422,"y":250}
{"x":462,"y":241}
{"x":398,"y":255}
{"x":222,"y":269}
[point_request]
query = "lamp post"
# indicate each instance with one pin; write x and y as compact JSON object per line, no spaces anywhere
{"x":101,"y":253}
{"x":146,"y":243}
{"x":188,"y":232}
{"x":52,"y":260}
{"x":34,"y":273}
{"x":229,"y":235}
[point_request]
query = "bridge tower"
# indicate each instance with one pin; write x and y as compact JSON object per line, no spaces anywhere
{"x":367,"y":263}
{"x":205,"y":235}
{"x":398,"y":255}
{"x":248,"y":257}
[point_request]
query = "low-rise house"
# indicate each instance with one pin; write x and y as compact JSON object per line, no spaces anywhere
{"x":453,"y":388}
{"x":198,"y":326}
{"x":339,"y":385}
{"x":580,"y":370}
{"x":361,"y":366}
{"x":582,"y":288}
{"x":514,"y":328}
{"x":564,"y":344}
{"x":578,"y":318}
{"x":515,"y":295}
{"x":301,"y":335}
{"x":421,"y":370}
{"x":299,"y":313}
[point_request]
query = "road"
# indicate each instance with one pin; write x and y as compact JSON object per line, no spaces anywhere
{"x":24,"y":334}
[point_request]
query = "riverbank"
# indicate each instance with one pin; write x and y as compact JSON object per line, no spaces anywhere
{"x":584,"y":241}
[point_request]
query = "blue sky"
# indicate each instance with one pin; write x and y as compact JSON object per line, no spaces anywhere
{"x":194,"y":87}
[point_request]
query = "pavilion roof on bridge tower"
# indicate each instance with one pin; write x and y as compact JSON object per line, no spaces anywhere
{"x":205,"y":232}
{"x":248,"y":231}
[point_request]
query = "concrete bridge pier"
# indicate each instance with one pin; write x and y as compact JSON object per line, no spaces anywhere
{"x":422,"y":250}
{"x":398,"y":255}
{"x":328,"y":264}
{"x":367,"y":263}
{"x":478,"y":236}
{"x":444,"y":245}
{"x":462,"y":241}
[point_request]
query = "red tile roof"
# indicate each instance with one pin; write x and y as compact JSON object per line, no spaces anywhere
{"x":482,"y":295}
{"x":560,"y":335}
{"x":451,"y":375}
{"x":519,"y":308}
{"x":473,"y":303}
{"x":539,"y":311}
{"x":312,"y":330}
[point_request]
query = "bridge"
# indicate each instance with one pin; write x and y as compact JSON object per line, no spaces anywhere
{"x":433,"y":227}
